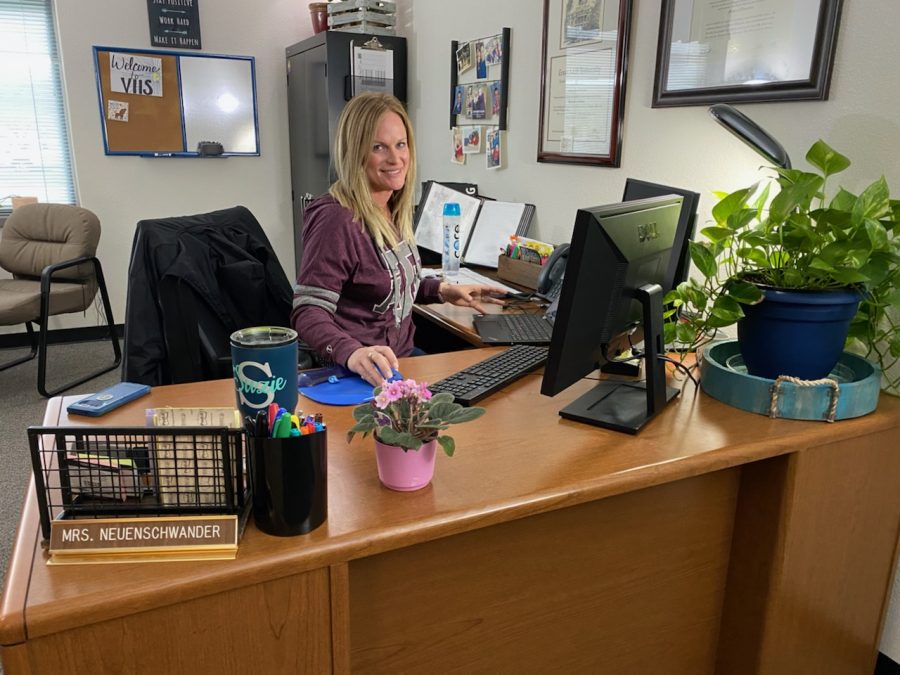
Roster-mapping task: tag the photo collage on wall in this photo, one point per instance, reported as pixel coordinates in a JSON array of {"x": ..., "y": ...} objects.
[{"x": 476, "y": 101}]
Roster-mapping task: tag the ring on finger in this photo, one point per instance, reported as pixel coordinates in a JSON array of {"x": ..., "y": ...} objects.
[{"x": 371, "y": 355}]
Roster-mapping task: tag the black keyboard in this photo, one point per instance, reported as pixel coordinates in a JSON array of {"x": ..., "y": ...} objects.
[
  {"x": 494, "y": 373},
  {"x": 527, "y": 327}
]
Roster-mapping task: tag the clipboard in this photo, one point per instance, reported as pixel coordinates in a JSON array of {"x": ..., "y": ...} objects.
[
  {"x": 371, "y": 67},
  {"x": 485, "y": 224}
]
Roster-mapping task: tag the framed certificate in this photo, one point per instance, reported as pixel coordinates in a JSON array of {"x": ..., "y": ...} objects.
[
  {"x": 713, "y": 51},
  {"x": 585, "y": 48}
]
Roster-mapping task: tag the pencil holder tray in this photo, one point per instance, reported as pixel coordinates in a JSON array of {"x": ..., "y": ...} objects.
[
  {"x": 290, "y": 483},
  {"x": 106, "y": 472},
  {"x": 519, "y": 272}
]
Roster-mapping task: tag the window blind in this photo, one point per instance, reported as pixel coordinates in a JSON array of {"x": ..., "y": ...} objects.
[{"x": 34, "y": 146}]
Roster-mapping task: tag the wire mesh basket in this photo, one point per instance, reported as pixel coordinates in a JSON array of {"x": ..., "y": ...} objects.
[{"x": 94, "y": 472}]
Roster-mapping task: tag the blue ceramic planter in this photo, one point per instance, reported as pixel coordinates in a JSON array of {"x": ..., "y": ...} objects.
[{"x": 796, "y": 333}]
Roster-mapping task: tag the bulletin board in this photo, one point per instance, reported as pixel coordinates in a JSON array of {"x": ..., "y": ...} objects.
[{"x": 164, "y": 103}]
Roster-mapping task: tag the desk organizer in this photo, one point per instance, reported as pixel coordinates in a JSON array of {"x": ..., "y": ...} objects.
[
  {"x": 96, "y": 472},
  {"x": 519, "y": 272},
  {"x": 853, "y": 392}
]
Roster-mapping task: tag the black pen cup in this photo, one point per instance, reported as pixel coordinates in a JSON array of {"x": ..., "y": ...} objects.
[{"x": 290, "y": 483}]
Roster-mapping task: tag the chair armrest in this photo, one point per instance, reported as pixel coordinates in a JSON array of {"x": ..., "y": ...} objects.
[{"x": 47, "y": 272}]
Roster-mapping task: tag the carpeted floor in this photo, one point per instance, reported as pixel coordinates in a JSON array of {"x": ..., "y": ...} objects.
[{"x": 22, "y": 406}]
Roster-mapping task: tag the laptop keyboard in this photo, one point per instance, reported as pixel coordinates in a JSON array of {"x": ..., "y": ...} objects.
[
  {"x": 482, "y": 379},
  {"x": 527, "y": 327}
]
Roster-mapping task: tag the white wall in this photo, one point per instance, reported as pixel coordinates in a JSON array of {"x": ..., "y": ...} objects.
[
  {"x": 124, "y": 190},
  {"x": 676, "y": 146},
  {"x": 679, "y": 146}
]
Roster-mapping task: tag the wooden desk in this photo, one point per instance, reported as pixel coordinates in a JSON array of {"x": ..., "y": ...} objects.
[{"x": 714, "y": 541}]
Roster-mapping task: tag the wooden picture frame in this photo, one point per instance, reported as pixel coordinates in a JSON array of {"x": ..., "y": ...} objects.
[
  {"x": 583, "y": 69},
  {"x": 737, "y": 53}
]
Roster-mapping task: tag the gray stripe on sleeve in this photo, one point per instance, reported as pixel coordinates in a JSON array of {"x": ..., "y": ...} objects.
[{"x": 318, "y": 297}]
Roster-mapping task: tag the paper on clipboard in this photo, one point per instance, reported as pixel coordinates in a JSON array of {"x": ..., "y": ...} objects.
[
  {"x": 497, "y": 221},
  {"x": 372, "y": 68},
  {"x": 430, "y": 226}
]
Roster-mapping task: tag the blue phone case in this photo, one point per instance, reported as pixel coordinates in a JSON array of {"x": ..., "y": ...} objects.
[{"x": 108, "y": 399}]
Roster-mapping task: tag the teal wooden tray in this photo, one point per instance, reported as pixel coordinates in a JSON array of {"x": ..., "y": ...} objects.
[{"x": 853, "y": 391}]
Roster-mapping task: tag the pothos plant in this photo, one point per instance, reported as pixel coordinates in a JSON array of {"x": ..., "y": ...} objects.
[
  {"x": 800, "y": 239},
  {"x": 406, "y": 414}
]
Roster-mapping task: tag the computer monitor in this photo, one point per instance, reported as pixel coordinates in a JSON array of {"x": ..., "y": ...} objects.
[
  {"x": 618, "y": 265},
  {"x": 679, "y": 266}
]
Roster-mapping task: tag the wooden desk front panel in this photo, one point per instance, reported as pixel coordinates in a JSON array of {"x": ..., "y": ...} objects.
[
  {"x": 281, "y": 626},
  {"x": 633, "y": 583}
]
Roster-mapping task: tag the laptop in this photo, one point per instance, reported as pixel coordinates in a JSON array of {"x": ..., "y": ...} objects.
[{"x": 516, "y": 329}]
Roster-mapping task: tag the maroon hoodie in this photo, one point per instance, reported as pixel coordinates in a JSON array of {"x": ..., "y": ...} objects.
[{"x": 350, "y": 294}]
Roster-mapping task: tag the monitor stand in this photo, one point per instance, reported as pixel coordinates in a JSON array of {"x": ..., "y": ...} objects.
[{"x": 628, "y": 406}]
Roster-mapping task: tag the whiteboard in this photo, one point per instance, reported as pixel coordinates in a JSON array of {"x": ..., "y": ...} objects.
[{"x": 216, "y": 105}]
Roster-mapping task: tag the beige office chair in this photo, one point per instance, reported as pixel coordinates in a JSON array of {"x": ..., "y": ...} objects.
[{"x": 50, "y": 251}]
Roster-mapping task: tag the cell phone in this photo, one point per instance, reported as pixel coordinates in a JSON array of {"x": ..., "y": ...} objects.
[{"x": 108, "y": 399}]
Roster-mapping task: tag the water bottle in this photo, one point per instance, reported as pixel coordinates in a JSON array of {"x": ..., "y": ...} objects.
[{"x": 450, "y": 257}]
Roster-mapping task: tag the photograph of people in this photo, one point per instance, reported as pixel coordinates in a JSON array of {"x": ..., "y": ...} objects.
[
  {"x": 456, "y": 140},
  {"x": 458, "y": 100},
  {"x": 463, "y": 58},
  {"x": 492, "y": 139},
  {"x": 495, "y": 98},
  {"x": 471, "y": 140},
  {"x": 478, "y": 111},
  {"x": 480, "y": 64},
  {"x": 360, "y": 271}
]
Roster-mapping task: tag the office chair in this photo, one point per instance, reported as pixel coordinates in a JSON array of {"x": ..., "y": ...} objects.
[
  {"x": 192, "y": 282},
  {"x": 50, "y": 251}
]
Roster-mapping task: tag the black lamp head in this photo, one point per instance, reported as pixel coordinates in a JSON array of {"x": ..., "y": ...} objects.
[{"x": 751, "y": 133}]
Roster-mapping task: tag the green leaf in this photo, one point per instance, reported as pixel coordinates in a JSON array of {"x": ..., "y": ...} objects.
[
  {"x": 465, "y": 415},
  {"x": 443, "y": 397},
  {"x": 843, "y": 201},
  {"x": 360, "y": 412},
  {"x": 793, "y": 196},
  {"x": 448, "y": 444},
  {"x": 826, "y": 159},
  {"x": 364, "y": 425},
  {"x": 703, "y": 258},
  {"x": 874, "y": 202},
  {"x": 744, "y": 292},
  {"x": 402, "y": 439},
  {"x": 716, "y": 233},
  {"x": 727, "y": 309},
  {"x": 443, "y": 409},
  {"x": 685, "y": 333},
  {"x": 876, "y": 233},
  {"x": 731, "y": 203}
]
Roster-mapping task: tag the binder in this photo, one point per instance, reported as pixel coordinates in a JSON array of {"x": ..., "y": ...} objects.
[{"x": 485, "y": 224}]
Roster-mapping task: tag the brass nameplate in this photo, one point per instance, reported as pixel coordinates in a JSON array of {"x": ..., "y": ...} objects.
[{"x": 145, "y": 538}]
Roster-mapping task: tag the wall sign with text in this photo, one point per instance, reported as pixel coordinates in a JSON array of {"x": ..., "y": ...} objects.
[{"x": 174, "y": 23}]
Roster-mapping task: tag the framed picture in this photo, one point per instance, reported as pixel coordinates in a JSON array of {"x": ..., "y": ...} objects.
[
  {"x": 713, "y": 51},
  {"x": 585, "y": 48}
]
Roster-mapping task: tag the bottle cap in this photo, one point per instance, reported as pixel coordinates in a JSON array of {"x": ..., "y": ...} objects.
[{"x": 451, "y": 209}]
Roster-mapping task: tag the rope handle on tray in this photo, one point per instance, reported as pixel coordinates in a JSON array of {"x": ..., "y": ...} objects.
[{"x": 776, "y": 389}]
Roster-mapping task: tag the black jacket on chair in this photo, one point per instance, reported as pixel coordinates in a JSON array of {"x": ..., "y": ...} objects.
[{"x": 192, "y": 281}]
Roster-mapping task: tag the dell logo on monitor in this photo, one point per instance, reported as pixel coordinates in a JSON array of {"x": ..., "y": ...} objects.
[{"x": 647, "y": 231}]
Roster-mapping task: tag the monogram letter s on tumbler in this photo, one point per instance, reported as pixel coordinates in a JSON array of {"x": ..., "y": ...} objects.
[{"x": 264, "y": 361}]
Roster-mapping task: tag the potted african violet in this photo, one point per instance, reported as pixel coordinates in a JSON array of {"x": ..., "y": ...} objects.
[{"x": 407, "y": 421}]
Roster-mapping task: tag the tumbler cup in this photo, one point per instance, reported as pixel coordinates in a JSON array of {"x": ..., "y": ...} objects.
[{"x": 264, "y": 362}]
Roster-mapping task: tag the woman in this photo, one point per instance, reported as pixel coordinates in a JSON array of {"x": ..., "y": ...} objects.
[{"x": 360, "y": 272}]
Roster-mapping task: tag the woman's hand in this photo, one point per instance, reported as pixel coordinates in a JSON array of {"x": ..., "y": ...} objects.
[
  {"x": 470, "y": 295},
  {"x": 373, "y": 364}
]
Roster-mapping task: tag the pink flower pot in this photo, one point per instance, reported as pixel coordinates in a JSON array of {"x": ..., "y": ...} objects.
[{"x": 405, "y": 471}]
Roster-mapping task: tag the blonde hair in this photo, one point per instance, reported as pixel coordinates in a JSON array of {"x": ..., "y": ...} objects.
[{"x": 353, "y": 142}]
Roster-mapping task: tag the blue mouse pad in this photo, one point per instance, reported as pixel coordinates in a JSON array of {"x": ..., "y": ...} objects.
[{"x": 347, "y": 390}]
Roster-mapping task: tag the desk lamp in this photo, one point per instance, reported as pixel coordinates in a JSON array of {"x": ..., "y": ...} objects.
[{"x": 751, "y": 133}]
